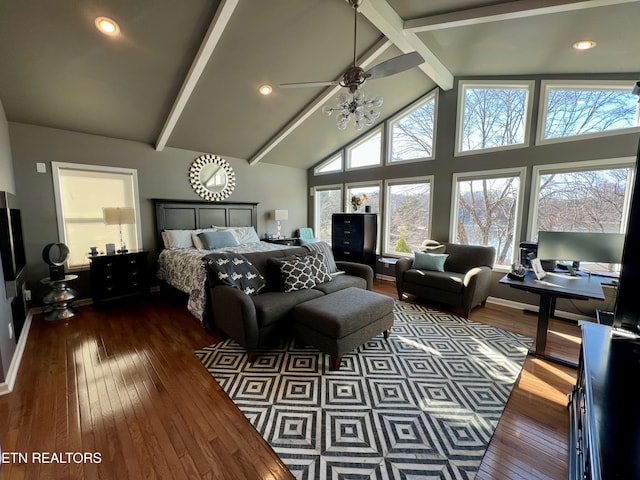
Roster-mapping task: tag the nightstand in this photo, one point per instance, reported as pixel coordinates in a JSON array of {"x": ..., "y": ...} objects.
[
  {"x": 117, "y": 276},
  {"x": 283, "y": 241}
]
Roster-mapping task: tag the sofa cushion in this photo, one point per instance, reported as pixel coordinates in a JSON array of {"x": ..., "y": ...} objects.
[
  {"x": 340, "y": 282},
  {"x": 297, "y": 274},
  {"x": 430, "y": 261},
  {"x": 448, "y": 281},
  {"x": 271, "y": 307}
]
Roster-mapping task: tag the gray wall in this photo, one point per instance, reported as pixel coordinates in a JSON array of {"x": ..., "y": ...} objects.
[
  {"x": 7, "y": 345},
  {"x": 446, "y": 164},
  {"x": 160, "y": 175}
]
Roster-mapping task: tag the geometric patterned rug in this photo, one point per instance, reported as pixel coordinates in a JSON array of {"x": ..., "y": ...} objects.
[{"x": 422, "y": 404}]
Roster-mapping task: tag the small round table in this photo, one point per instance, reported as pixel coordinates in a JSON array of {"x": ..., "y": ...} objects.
[{"x": 58, "y": 299}]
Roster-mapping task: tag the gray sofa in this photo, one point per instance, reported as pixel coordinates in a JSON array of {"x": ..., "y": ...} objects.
[
  {"x": 464, "y": 284},
  {"x": 264, "y": 318}
]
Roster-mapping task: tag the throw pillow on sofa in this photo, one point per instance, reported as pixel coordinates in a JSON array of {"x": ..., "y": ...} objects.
[
  {"x": 297, "y": 274},
  {"x": 235, "y": 270},
  {"x": 430, "y": 261}
]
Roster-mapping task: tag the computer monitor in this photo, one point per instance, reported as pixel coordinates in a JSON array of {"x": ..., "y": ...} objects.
[{"x": 581, "y": 246}]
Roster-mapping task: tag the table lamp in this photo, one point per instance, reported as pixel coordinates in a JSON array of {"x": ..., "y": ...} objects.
[
  {"x": 119, "y": 216},
  {"x": 280, "y": 215}
]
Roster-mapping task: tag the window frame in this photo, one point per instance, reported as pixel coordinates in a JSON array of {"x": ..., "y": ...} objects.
[
  {"x": 56, "y": 167},
  {"x": 387, "y": 204},
  {"x": 577, "y": 85},
  {"x": 529, "y": 85},
  {"x": 520, "y": 172},
  {"x": 433, "y": 94},
  {"x": 347, "y": 203},
  {"x": 332, "y": 158},
  {"x": 353, "y": 145},
  {"x": 316, "y": 217},
  {"x": 568, "y": 167}
]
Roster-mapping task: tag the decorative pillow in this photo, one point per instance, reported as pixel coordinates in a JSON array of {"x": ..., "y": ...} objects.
[
  {"x": 430, "y": 261},
  {"x": 243, "y": 234},
  {"x": 197, "y": 243},
  {"x": 325, "y": 250},
  {"x": 297, "y": 275},
  {"x": 177, "y": 239},
  {"x": 213, "y": 240},
  {"x": 235, "y": 270},
  {"x": 318, "y": 267}
]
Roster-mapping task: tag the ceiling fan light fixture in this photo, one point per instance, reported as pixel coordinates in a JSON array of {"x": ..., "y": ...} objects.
[{"x": 363, "y": 109}]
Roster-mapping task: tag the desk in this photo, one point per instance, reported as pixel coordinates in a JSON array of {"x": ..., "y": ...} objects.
[{"x": 551, "y": 287}]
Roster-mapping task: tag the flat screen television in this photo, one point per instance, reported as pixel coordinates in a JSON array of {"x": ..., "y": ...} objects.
[
  {"x": 627, "y": 311},
  {"x": 12, "y": 252}
]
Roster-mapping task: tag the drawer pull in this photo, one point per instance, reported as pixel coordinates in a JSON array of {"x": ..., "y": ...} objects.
[
  {"x": 347, "y": 232},
  {"x": 133, "y": 262},
  {"x": 109, "y": 264},
  {"x": 108, "y": 276}
]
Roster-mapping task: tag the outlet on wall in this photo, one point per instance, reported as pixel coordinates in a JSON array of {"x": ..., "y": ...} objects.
[
  {"x": 27, "y": 295},
  {"x": 10, "y": 330}
]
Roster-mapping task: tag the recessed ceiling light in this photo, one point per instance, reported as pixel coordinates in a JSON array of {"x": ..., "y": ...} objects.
[
  {"x": 107, "y": 26},
  {"x": 265, "y": 89},
  {"x": 584, "y": 45}
]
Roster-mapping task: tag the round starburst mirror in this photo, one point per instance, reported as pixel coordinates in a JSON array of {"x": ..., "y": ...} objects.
[{"x": 212, "y": 177}]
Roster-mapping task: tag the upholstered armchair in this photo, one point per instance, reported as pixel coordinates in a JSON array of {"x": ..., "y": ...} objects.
[{"x": 461, "y": 278}]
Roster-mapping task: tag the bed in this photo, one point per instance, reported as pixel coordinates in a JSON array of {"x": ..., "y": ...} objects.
[{"x": 180, "y": 265}]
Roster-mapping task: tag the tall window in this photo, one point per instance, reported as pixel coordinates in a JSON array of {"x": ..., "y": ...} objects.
[
  {"x": 328, "y": 200},
  {"x": 582, "y": 197},
  {"x": 408, "y": 214},
  {"x": 412, "y": 132},
  {"x": 81, "y": 192},
  {"x": 368, "y": 193},
  {"x": 332, "y": 165},
  {"x": 580, "y": 109},
  {"x": 486, "y": 211},
  {"x": 366, "y": 152},
  {"x": 493, "y": 116}
]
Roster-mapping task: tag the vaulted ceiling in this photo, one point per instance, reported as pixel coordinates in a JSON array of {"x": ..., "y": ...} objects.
[{"x": 185, "y": 73}]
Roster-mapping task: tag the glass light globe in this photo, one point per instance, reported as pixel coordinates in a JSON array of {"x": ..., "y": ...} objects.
[
  {"x": 377, "y": 101},
  {"x": 343, "y": 98},
  {"x": 327, "y": 110}
]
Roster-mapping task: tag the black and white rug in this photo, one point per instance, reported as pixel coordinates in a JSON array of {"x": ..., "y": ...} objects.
[{"x": 422, "y": 404}]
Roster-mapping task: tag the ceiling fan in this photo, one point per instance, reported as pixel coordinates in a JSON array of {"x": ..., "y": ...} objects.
[{"x": 355, "y": 76}]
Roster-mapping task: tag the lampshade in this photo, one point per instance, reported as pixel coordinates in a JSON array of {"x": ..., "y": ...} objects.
[
  {"x": 118, "y": 215},
  {"x": 281, "y": 214}
]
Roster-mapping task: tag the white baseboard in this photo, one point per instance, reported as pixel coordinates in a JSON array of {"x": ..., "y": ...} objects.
[{"x": 12, "y": 374}]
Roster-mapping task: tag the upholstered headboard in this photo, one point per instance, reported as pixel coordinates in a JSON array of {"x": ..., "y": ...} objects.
[{"x": 192, "y": 214}]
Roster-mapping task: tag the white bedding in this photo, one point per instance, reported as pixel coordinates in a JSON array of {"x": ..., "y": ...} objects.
[{"x": 183, "y": 269}]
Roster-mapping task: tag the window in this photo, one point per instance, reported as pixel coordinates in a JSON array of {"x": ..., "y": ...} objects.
[
  {"x": 486, "y": 210},
  {"x": 328, "y": 200},
  {"x": 408, "y": 214},
  {"x": 585, "y": 109},
  {"x": 368, "y": 193},
  {"x": 366, "y": 152},
  {"x": 583, "y": 197},
  {"x": 413, "y": 132},
  {"x": 81, "y": 191},
  {"x": 493, "y": 116},
  {"x": 334, "y": 164}
]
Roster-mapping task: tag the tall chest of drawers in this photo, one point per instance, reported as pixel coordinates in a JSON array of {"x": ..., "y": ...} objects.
[
  {"x": 354, "y": 237},
  {"x": 120, "y": 275}
]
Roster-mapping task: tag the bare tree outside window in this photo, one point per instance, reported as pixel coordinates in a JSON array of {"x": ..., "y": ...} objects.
[
  {"x": 582, "y": 201},
  {"x": 412, "y": 134},
  {"x": 582, "y": 111},
  {"x": 493, "y": 117},
  {"x": 328, "y": 202},
  {"x": 408, "y": 216},
  {"x": 486, "y": 214}
]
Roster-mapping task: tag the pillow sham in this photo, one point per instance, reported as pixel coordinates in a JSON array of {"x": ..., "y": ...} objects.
[
  {"x": 236, "y": 271},
  {"x": 242, "y": 234},
  {"x": 430, "y": 261},
  {"x": 177, "y": 239},
  {"x": 213, "y": 240},
  {"x": 297, "y": 275}
]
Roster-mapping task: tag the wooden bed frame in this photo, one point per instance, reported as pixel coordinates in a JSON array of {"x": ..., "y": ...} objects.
[{"x": 193, "y": 214}]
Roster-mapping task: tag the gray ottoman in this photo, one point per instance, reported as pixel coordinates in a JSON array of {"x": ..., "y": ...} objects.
[{"x": 339, "y": 322}]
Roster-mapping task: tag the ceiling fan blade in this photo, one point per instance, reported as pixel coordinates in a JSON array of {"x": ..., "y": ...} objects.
[
  {"x": 395, "y": 65},
  {"x": 308, "y": 84}
]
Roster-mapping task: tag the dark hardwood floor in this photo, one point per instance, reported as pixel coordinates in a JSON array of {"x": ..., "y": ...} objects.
[{"x": 124, "y": 382}]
